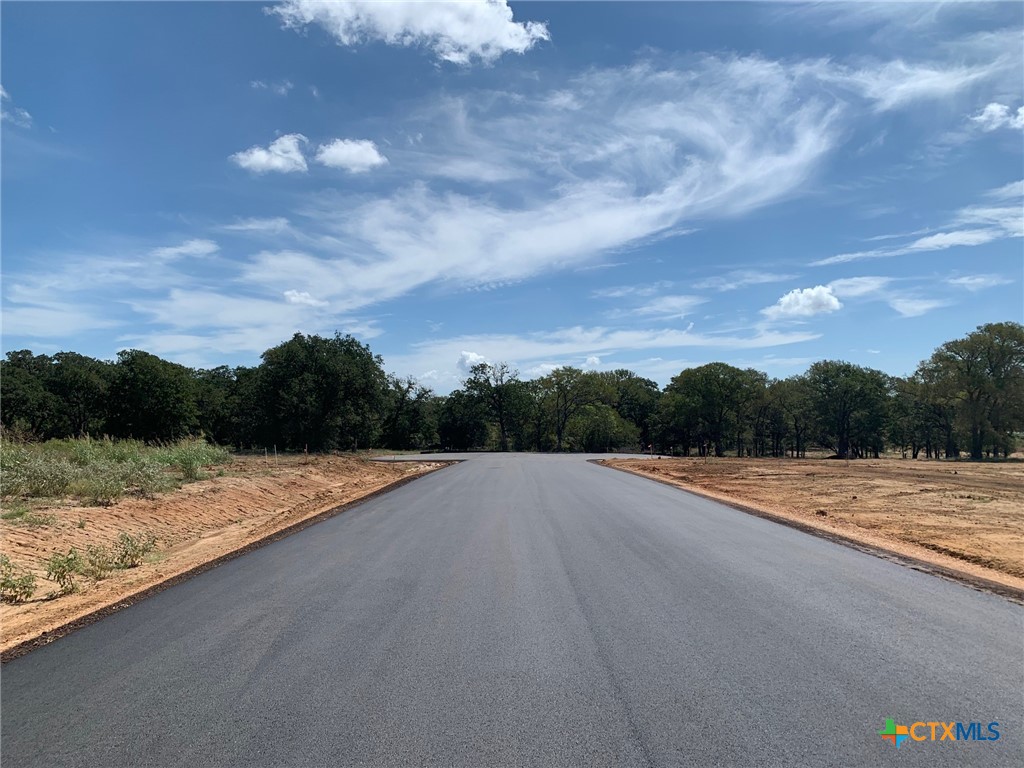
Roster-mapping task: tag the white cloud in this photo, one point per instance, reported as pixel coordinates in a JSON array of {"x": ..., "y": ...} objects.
[
  {"x": 467, "y": 360},
  {"x": 855, "y": 287},
  {"x": 352, "y": 155},
  {"x": 592, "y": 362},
  {"x": 14, "y": 115},
  {"x": 668, "y": 307},
  {"x": 284, "y": 155},
  {"x": 741, "y": 278},
  {"x": 279, "y": 88},
  {"x": 188, "y": 248},
  {"x": 623, "y": 291},
  {"x": 802, "y": 303},
  {"x": 457, "y": 32},
  {"x": 908, "y": 307},
  {"x": 272, "y": 225},
  {"x": 995, "y": 116},
  {"x": 536, "y": 354},
  {"x": 972, "y": 225},
  {"x": 303, "y": 297},
  {"x": 978, "y": 282}
]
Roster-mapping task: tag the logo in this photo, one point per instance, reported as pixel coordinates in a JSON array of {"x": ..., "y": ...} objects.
[
  {"x": 897, "y": 734},
  {"x": 938, "y": 731}
]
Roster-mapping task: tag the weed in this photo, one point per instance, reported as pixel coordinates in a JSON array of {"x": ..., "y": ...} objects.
[
  {"x": 16, "y": 585},
  {"x": 129, "y": 551},
  {"x": 62, "y": 569},
  {"x": 99, "y": 562},
  {"x": 81, "y": 522}
]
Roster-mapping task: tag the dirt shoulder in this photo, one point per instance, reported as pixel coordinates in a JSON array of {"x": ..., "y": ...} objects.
[
  {"x": 966, "y": 520},
  {"x": 202, "y": 523}
]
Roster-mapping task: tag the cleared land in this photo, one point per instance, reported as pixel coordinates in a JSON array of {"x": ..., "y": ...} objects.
[
  {"x": 203, "y": 521},
  {"x": 962, "y": 516}
]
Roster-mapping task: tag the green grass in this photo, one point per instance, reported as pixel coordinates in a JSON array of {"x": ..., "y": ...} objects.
[{"x": 102, "y": 471}]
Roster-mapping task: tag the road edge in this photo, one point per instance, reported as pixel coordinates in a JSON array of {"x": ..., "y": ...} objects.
[
  {"x": 978, "y": 583},
  {"x": 49, "y": 636}
]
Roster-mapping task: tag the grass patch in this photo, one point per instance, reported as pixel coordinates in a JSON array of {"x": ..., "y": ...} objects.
[
  {"x": 23, "y": 515},
  {"x": 102, "y": 471}
]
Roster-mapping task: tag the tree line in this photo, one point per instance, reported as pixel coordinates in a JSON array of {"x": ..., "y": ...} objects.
[{"x": 320, "y": 394}]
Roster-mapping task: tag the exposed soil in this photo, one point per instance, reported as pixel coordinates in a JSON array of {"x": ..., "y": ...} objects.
[
  {"x": 197, "y": 524},
  {"x": 959, "y": 516}
]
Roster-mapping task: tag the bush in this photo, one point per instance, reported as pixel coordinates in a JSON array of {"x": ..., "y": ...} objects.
[
  {"x": 190, "y": 455},
  {"x": 16, "y": 585},
  {"x": 103, "y": 485},
  {"x": 62, "y": 569},
  {"x": 99, "y": 562},
  {"x": 129, "y": 551}
]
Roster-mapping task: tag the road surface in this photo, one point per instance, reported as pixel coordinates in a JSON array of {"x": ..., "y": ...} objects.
[{"x": 530, "y": 610}]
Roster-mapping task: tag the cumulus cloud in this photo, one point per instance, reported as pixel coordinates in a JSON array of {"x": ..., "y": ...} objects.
[
  {"x": 802, "y": 303},
  {"x": 995, "y": 116},
  {"x": 188, "y": 248},
  {"x": 284, "y": 155},
  {"x": 352, "y": 155},
  {"x": 467, "y": 360},
  {"x": 592, "y": 362},
  {"x": 12, "y": 114},
  {"x": 457, "y": 32}
]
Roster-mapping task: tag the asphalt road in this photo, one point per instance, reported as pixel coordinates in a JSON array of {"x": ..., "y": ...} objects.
[{"x": 530, "y": 610}]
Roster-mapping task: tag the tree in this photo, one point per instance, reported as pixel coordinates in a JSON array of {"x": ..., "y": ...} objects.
[
  {"x": 495, "y": 388},
  {"x": 566, "y": 390},
  {"x": 28, "y": 404},
  {"x": 152, "y": 399},
  {"x": 409, "y": 417},
  {"x": 323, "y": 394},
  {"x": 712, "y": 402},
  {"x": 636, "y": 400},
  {"x": 462, "y": 422},
  {"x": 849, "y": 403},
  {"x": 981, "y": 377}
]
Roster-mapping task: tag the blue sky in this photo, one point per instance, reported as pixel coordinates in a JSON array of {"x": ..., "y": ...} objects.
[{"x": 606, "y": 185}]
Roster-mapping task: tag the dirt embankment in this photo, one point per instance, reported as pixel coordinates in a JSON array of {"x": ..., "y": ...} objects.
[
  {"x": 199, "y": 523},
  {"x": 960, "y": 516}
]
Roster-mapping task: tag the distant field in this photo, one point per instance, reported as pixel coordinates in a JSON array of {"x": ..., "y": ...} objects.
[{"x": 960, "y": 514}]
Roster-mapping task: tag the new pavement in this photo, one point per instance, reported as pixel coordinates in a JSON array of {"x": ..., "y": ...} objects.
[{"x": 530, "y": 610}]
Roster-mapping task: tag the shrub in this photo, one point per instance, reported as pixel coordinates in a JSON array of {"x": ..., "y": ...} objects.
[
  {"x": 190, "y": 455},
  {"x": 99, "y": 562},
  {"x": 129, "y": 551},
  {"x": 62, "y": 569},
  {"x": 103, "y": 485},
  {"x": 16, "y": 585}
]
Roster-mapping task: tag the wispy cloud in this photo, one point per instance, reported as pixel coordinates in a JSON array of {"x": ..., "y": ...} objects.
[
  {"x": 971, "y": 226},
  {"x": 12, "y": 114},
  {"x": 909, "y": 307},
  {"x": 741, "y": 278},
  {"x": 978, "y": 282},
  {"x": 195, "y": 247},
  {"x": 278, "y": 88},
  {"x": 460, "y": 33}
]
